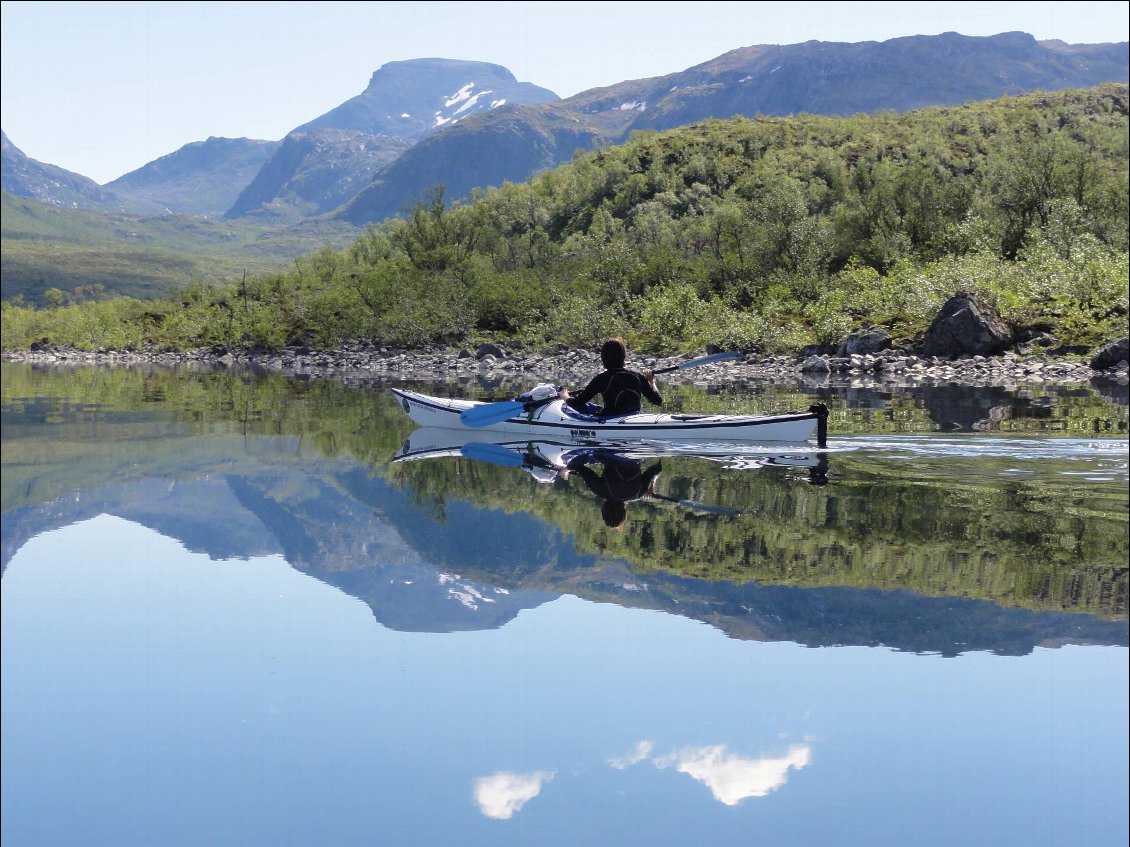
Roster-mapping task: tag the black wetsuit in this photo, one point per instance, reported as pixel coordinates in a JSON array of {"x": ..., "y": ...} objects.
[
  {"x": 621, "y": 480},
  {"x": 621, "y": 390}
]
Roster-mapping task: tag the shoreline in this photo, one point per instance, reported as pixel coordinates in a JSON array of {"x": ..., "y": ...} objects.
[{"x": 494, "y": 364}]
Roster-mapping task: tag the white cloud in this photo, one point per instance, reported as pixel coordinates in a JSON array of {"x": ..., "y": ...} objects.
[
  {"x": 501, "y": 795},
  {"x": 730, "y": 777},
  {"x": 636, "y": 755}
]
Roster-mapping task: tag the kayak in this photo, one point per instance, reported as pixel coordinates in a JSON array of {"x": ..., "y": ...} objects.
[
  {"x": 509, "y": 449},
  {"x": 556, "y": 420}
]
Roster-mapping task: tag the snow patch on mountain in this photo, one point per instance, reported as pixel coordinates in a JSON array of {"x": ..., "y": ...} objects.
[
  {"x": 462, "y": 103},
  {"x": 460, "y": 95},
  {"x": 471, "y": 101}
]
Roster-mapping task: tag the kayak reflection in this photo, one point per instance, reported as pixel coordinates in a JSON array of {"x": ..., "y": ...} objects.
[{"x": 617, "y": 474}]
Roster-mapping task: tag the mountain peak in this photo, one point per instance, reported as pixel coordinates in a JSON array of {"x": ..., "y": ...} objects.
[
  {"x": 410, "y": 98},
  {"x": 470, "y": 68}
]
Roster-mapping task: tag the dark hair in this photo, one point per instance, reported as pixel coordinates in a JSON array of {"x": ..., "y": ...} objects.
[
  {"x": 614, "y": 512},
  {"x": 614, "y": 353}
]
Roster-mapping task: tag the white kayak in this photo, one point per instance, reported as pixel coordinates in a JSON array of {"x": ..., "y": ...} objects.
[
  {"x": 558, "y": 421},
  {"x": 509, "y": 449}
]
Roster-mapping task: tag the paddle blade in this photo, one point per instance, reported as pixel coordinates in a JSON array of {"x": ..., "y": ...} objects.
[
  {"x": 494, "y": 454},
  {"x": 490, "y": 413},
  {"x": 704, "y": 360},
  {"x": 709, "y": 360}
]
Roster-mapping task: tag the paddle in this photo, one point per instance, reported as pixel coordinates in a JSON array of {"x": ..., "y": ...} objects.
[
  {"x": 698, "y": 507},
  {"x": 494, "y": 454},
  {"x": 493, "y": 413}
]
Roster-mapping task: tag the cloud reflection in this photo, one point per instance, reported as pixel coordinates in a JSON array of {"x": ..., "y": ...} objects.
[
  {"x": 731, "y": 777},
  {"x": 636, "y": 755},
  {"x": 501, "y": 795}
]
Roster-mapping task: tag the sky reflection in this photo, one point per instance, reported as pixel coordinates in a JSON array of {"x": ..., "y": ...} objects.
[
  {"x": 730, "y": 777},
  {"x": 141, "y": 680},
  {"x": 502, "y": 795}
]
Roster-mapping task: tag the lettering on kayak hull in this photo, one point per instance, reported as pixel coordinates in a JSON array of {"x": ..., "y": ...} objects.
[{"x": 582, "y": 433}]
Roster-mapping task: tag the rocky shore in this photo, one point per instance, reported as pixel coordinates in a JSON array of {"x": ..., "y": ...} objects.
[
  {"x": 966, "y": 344},
  {"x": 493, "y": 364}
]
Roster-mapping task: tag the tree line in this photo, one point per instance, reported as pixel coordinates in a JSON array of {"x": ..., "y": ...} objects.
[{"x": 765, "y": 234}]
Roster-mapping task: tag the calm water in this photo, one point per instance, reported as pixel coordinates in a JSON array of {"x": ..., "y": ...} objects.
[{"x": 241, "y": 610}]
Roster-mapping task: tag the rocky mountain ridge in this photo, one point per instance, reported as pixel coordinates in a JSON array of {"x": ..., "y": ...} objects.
[{"x": 472, "y": 124}]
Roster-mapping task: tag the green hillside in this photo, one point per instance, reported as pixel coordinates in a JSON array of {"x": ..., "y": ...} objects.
[
  {"x": 759, "y": 234},
  {"x": 86, "y": 254}
]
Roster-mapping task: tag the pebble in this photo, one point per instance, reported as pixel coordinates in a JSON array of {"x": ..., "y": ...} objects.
[{"x": 366, "y": 362}]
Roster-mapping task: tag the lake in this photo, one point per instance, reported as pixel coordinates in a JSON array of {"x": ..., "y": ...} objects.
[{"x": 239, "y": 609}]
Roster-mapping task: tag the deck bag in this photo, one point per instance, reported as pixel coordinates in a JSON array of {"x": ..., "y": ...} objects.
[{"x": 540, "y": 393}]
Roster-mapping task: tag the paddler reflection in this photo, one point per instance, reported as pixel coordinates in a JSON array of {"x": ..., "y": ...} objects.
[
  {"x": 614, "y": 477},
  {"x": 620, "y": 481}
]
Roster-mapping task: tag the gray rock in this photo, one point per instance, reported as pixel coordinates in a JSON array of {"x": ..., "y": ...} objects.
[
  {"x": 965, "y": 328},
  {"x": 1111, "y": 354},
  {"x": 864, "y": 341},
  {"x": 484, "y": 350}
]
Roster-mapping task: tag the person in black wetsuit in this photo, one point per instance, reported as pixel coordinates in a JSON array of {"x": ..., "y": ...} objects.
[
  {"x": 621, "y": 481},
  {"x": 619, "y": 387}
]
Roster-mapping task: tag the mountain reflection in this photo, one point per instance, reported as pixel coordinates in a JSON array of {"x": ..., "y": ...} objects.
[{"x": 928, "y": 553}]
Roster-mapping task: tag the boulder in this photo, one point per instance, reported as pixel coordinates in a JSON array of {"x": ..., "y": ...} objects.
[
  {"x": 965, "y": 328},
  {"x": 862, "y": 342},
  {"x": 484, "y": 350},
  {"x": 1111, "y": 355}
]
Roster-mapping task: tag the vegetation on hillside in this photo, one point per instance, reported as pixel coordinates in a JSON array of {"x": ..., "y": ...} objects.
[
  {"x": 764, "y": 234},
  {"x": 79, "y": 255}
]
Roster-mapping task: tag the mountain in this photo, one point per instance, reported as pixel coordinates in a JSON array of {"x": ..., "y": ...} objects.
[
  {"x": 26, "y": 177},
  {"x": 201, "y": 178},
  {"x": 471, "y": 125},
  {"x": 331, "y": 159},
  {"x": 900, "y": 75},
  {"x": 508, "y": 144},
  {"x": 313, "y": 172},
  {"x": 814, "y": 77},
  {"x": 411, "y": 98}
]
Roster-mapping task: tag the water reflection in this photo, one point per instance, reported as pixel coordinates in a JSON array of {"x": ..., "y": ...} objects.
[
  {"x": 616, "y": 473},
  {"x": 290, "y": 687},
  {"x": 502, "y": 795},
  {"x": 619, "y": 481},
  {"x": 730, "y": 776},
  {"x": 925, "y": 543}
]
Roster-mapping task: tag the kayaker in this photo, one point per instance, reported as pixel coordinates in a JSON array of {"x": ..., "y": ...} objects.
[
  {"x": 621, "y": 480},
  {"x": 619, "y": 387}
]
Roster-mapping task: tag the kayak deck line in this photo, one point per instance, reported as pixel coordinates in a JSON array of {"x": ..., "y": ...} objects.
[{"x": 561, "y": 420}]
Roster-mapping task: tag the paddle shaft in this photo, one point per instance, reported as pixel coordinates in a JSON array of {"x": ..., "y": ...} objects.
[
  {"x": 493, "y": 413},
  {"x": 694, "y": 363}
]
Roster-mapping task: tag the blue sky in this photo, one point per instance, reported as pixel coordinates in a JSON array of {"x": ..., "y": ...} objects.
[{"x": 104, "y": 88}]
